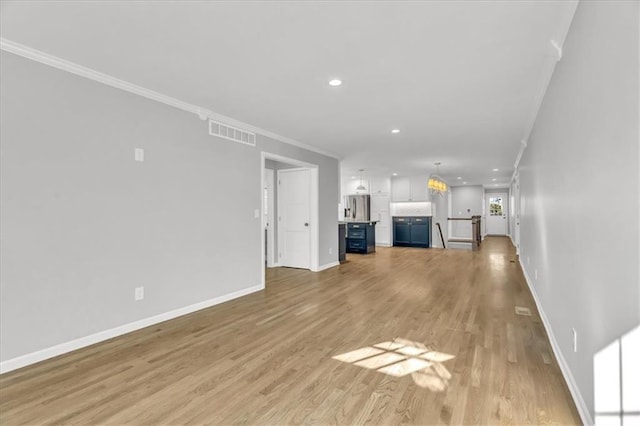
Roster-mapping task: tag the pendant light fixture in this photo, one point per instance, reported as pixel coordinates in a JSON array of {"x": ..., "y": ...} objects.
[
  {"x": 361, "y": 187},
  {"x": 436, "y": 184}
]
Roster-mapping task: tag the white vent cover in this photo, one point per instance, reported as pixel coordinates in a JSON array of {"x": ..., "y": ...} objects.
[
  {"x": 231, "y": 133},
  {"x": 520, "y": 310}
]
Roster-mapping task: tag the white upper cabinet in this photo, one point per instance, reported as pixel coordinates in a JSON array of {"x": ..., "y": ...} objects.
[
  {"x": 380, "y": 185},
  {"x": 409, "y": 188},
  {"x": 400, "y": 189},
  {"x": 419, "y": 190}
]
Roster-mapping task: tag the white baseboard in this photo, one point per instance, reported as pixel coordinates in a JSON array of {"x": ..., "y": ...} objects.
[
  {"x": 62, "y": 348},
  {"x": 383, "y": 245},
  {"x": 583, "y": 410},
  {"x": 459, "y": 246},
  {"x": 327, "y": 266}
]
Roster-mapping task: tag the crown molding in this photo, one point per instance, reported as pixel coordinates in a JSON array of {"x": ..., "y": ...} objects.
[
  {"x": 91, "y": 74},
  {"x": 556, "y": 52},
  {"x": 523, "y": 146}
]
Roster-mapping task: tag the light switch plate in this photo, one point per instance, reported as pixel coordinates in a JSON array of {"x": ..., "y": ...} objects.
[
  {"x": 256, "y": 213},
  {"x": 139, "y": 154}
]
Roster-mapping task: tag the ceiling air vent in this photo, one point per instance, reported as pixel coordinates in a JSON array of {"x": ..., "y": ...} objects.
[{"x": 231, "y": 133}]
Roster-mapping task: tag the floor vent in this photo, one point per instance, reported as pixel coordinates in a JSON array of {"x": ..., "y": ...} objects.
[
  {"x": 523, "y": 311},
  {"x": 231, "y": 133}
]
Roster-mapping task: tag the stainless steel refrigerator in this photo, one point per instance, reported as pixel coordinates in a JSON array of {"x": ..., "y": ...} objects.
[{"x": 358, "y": 208}]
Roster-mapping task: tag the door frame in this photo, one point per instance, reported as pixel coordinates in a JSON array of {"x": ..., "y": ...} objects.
[
  {"x": 270, "y": 246},
  {"x": 505, "y": 193},
  {"x": 314, "y": 215},
  {"x": 281, "y": 230},
  {"x": 515, "y": 231}
]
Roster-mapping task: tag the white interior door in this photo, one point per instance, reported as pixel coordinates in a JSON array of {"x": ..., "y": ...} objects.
[
  {"x": 269, "y": 207},
  {"x": 294, "y": 196},
  {"x": 496, "y": 205}
]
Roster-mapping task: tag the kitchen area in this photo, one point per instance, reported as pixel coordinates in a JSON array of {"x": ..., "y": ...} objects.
[{"x": 385, "y": 211}]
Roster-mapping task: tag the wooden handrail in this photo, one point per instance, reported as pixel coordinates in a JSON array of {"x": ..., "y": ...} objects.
[
  {"x": 476, "y": 236},
  {"x": 441, "y": 237}
]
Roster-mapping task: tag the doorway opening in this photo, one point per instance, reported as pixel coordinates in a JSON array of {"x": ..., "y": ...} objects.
[
  {"x": 496, "y": 213},
  {"x": 289, "y": 213}
]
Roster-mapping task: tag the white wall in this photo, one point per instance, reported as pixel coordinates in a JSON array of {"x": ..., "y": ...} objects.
[
  {"x": 579, "y": 189},
  {"x": 83, "y": 224},
  {"x": 440, "y": 208},
  {"x": 466, "y": 201}
]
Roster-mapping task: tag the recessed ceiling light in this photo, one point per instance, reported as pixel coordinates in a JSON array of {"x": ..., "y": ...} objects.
[
  {"x": 496, "y": 184},
  {"x": 335, "y": 82},
  {"x": 395, "y": 131},
  {"x": 459, "y": 177},
  {"x": 495, "y": 170},
  {"x": 353, "y": 177},
  {"x": 464, "y": 183},
  {"x": 494, "y": 179},
  {"x": 394, "y": 174}
]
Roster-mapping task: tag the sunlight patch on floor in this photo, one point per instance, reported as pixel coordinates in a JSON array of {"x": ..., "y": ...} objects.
[{"x": 402, "y": 357}]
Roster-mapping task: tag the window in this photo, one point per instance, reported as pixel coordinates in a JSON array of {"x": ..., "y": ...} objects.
[{"x": 495, "y": 206}]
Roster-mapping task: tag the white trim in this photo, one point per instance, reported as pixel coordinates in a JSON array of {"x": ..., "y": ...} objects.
[
  {"x": 314, "y": 214},
  {"x": 585, "y": 415},
  {"x": 327, "y": 266},
  {"x": 315, "y": 219},
  {"x": 506, "y": 212},
  {"x": 384, "y": 245},
  {"x": 62, "y": 348},
  {"x": 270, "y": 243},
  {"x": 546, "y": 74},
  {"x": 557, "y": 50},
  {"x": 490, "y": 186},
  {"x": 263, "y": 267},
  {"x": 288, "y": 160},
  {"x": 523, "y": 146},
  {"x": 91, "y": 74}
]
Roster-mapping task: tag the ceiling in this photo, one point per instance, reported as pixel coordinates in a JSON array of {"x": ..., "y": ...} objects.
[{"x": 459, "y": 79}]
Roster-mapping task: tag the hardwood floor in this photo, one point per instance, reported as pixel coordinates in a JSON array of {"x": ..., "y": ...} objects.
[{"x": 285, "y": 355}]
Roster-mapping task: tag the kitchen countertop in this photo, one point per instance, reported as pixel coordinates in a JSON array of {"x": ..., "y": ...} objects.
[{"x": 344, "y": 222}]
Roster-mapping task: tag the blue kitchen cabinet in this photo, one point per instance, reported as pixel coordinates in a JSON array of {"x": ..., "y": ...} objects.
[
  {"x": 412, "y": 231},
  {"x": 401, "y": 231},
  {"x": 361, "y": 237}
]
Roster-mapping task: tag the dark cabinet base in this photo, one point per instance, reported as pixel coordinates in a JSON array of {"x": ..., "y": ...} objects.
[
  {"x": 361, "y": 237},
  {"x": 342, "y": 242},
  {"x": 412, "y": 231}
]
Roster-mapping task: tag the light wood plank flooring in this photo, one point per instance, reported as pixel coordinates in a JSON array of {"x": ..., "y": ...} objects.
[{"x": 268, "y": 358}]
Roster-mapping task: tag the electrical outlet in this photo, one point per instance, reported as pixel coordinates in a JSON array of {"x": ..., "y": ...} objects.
[
  {"x": 528, "y": 261},
  {"x": 139, "y": 294},
  {"x": 256, "y": 214},
  {"x": 535, "y": 274},
  {"x": 575, "y": 340},
  {"x": 139, "y": 154},
  {"x": 330, "y": 250}
]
